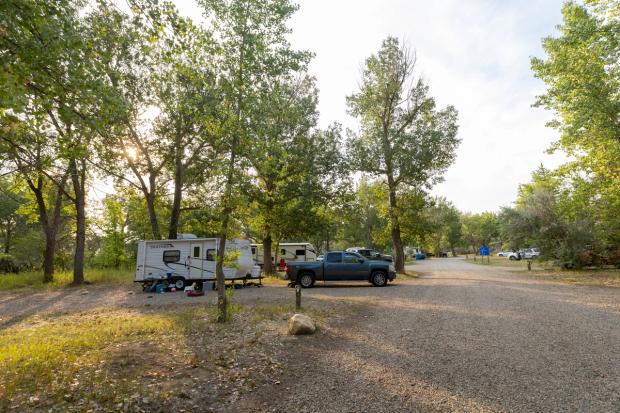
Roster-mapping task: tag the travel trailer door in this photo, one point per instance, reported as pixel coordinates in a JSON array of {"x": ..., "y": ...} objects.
[{"x": 195, "y": 260}]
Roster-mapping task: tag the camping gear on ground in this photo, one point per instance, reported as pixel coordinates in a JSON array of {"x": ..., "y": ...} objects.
[{"x": 195, "y": 293}]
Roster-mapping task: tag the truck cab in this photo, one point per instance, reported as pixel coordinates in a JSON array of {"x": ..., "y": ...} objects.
[{"x": 341, "y": 266}]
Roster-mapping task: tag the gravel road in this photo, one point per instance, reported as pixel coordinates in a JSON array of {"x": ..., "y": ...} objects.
[{"x": 462, "y": 338}]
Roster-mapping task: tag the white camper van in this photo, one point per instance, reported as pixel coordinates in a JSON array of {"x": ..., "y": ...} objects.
[
  {"x": 300, "y": 251},
  {"x": 181, "y": 262}
]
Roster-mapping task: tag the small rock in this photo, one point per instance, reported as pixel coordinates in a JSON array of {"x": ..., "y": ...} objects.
[
  {"x": 84, "y": 292},
  {"x": 301, "y": 324}
]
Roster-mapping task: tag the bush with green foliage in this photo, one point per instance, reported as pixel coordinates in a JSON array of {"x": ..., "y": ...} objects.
[{"x": 8, "y": 263}]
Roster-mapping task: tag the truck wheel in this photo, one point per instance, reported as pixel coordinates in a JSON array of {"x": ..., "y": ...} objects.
[
  {"x": 379, "y": 279},
  {"x": 512, "y": 258},
  {"x": 306, "y": 280}
]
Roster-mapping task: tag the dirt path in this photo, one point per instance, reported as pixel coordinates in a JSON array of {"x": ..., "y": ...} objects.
[{"x": 462, "y": 338}]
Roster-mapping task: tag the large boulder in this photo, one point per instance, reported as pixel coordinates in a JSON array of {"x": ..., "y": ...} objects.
[{"x": 301, "y": 324}]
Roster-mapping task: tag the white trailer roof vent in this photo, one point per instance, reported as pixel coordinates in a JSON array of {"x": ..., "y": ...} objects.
[{"x": 186, "y": 236}]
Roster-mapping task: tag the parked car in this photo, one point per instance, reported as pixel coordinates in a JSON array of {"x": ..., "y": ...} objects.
[
  {"x": 420, "y": 256},
  {"x": 443, "y": 254},
  {"x": 526, "y": 253},
  {"x": 371, "y": 254},
  {"x": 505, "y": 253},
  {"x": 341, "y": 266}
]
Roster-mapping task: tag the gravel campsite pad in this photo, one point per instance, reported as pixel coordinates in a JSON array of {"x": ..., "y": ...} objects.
[{"x": 462, "y": 337}]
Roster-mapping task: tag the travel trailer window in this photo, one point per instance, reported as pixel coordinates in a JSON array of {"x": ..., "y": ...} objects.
[
  {"x": 253, "y": 250},
  {"x": 172, "y": 256},
  {"x": 300, "y": 252},
  {"x": 196, "y": 252},
  {"x": 211, "y": 255}
]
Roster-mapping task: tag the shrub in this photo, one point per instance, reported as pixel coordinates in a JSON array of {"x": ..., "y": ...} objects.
[{"x": 8, "y": 263}]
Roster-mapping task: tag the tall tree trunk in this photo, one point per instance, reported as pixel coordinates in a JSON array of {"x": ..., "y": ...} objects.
[
  {"x": 149, "y": 195},
  {"x": 267, "y": 264},
  {"x": 50, "y": 228},
  {"x": 399, "y": 260},
  {"x": 219, "y": 267},
  {"x": 48, "y": 256},
  {"x": 78, "y": 178},
  {"x": 150, "y": 206},
  {"x": 227, "y": 201},
  {"x": 178, "y": 194},
  {"x": 7, "y": 237},
  {"x": 227, "y": 211}
]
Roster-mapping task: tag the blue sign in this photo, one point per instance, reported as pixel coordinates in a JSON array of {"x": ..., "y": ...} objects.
[{"x": 484, "y": 251}]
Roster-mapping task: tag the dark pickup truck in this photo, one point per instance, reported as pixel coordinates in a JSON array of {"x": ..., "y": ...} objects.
[{"x": 340, "y": 266}]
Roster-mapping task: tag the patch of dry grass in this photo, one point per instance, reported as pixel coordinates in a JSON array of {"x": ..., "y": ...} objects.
[
  {"x": 133, "y": 360},
  {"x": 34, "y": 279},
  {"x": 505, "y": 262},
  {"x": 64, "y": 358},
  {"x": 600, "y": 277}
]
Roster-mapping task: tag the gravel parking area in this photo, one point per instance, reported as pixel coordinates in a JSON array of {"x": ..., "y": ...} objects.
[{"x": 461, "y": 338}]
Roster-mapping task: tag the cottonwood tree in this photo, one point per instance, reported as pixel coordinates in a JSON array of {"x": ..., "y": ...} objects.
[
  {"x": 296, "y": 168},
  {"x": 582, "y": 72},
  {"x": 26, "y": 149},
  {"x": 162, "y": 65},
  {"x": 54, "y": 72},
  {"x": 252, "y": 37},
  {"x": 403, "y": 138}
]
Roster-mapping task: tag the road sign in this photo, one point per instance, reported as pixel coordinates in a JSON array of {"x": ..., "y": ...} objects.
[{"x": 484, "y": 251}]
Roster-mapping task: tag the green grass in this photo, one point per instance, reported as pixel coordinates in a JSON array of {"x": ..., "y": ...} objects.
[
  {"x": 408, "y": 274},
  {"x": 34, "y": 279},
  {"x": 48, "y": 358},
  {"x": 600, "y": 277},
  {"x": 505, "y": 262},
  {"x": 547, "y": 271},
  {"x": 103, "y": 356}
]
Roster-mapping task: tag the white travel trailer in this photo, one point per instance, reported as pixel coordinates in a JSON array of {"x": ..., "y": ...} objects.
[
  {"x": 182, "y": 262},
  {"x": 292, "y": 251}
]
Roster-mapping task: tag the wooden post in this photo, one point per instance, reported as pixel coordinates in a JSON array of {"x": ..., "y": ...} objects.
[
  {"x": 529, "y": 265},
  {"x": 297, "y": 297}
]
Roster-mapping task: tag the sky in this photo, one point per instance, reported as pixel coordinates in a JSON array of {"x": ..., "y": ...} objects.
[{"x": 474, "y": 54}]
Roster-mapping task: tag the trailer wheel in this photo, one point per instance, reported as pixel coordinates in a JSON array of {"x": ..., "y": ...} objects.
[{"x": 179, "y": 284}]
